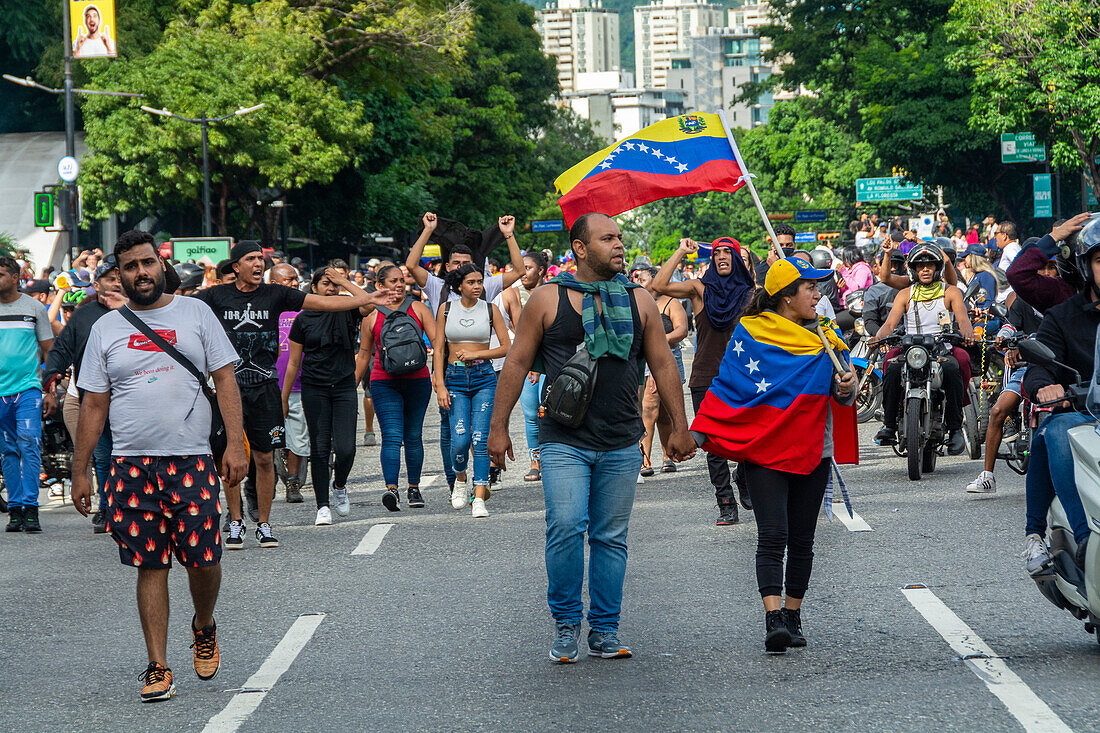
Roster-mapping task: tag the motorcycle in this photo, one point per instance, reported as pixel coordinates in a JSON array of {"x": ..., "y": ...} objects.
[
  {"x": 866, "y": 362},
  {"x": 1066, "y": 586},
  {"x": 921, "y": 430},
  {"x": 1015, "y": 447}
]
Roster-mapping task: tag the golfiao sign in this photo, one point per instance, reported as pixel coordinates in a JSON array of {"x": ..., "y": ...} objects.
[{"x": 207, "y": 250}]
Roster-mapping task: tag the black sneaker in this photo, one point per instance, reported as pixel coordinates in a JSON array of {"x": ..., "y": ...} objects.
[
  {"x": 494, "y": 476},
  {"x": 99, "y": 523},
  {"x": 391, "y": 500},
  {"x": 416, "y": 499},
  {"x": 264, "y": 536},
  {"x": 30, "y": 520},
  {"x": 793, "y": 617},
  {"x": 727, "y": 515},
  {"x": 235, "y": 540},
  {"x": 887, "y": 436},
  {"x": 776, "y": 635},
  {"x": 15, "y": 519},
  {"x": 294, "y": 491},
  {"x": 956, "y": 443}
]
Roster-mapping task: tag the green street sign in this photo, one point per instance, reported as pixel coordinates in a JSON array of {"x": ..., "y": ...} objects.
[
  {"x": 208, "y": 250},
  {"x": 887, "y": 189},
  {"x": 1044, "y": 204},
  {"x": 1020, "y": 147},
  {"x": 43, "y": 209}
]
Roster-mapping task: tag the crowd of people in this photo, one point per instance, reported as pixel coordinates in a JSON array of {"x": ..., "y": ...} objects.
[{"x": 172, "y": 376}]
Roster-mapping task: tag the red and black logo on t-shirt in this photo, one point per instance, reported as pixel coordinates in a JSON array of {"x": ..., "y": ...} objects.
[{"x": 139, "y": 342}]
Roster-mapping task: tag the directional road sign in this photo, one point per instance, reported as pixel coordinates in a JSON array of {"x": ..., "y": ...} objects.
[
  {"x": 550, "y": 225},
  {"x": 1044, "y": 204},
  {"x": 887, "y": 189},
  {"x": 809, "y": 216},
  {"x": 1020, "y": 147}
]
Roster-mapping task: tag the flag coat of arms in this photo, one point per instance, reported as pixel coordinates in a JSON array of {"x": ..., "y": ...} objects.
[
  {"x": 674, "y": 157},
  {"x": 768, "y": 403}
]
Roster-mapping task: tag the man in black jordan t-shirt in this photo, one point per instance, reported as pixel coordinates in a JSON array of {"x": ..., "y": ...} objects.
[{"x": 249, "y": 309}]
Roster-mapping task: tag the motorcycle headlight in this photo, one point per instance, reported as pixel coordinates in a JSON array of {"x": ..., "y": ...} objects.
[
  {"x": 916, "y": 358},
  {"x": 859, "y": 328}
]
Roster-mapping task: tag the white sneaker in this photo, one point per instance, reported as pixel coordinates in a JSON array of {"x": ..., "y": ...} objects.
[
  {"x": 986, "y": 483},
  {"x": 324, "y": 517},
  {"x": 478, "y": 509},
  {"x": 459, "y": 495},
  {"x": 1037, "y": 559},
  {"x": 640, "y": 480},
  {"x": 341, "y": 505}
]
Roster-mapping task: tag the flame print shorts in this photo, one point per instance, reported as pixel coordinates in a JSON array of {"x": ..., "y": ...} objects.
[{"x": 158, "y": 506}]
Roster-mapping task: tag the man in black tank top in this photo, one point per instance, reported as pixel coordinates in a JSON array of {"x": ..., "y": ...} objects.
[
  {"x": 717, "y": 299},
  {"x": 589, "y": 472}
]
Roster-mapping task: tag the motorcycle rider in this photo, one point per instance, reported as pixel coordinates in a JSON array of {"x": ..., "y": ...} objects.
[
  {"x": 927, "y": 307},
  {"x": 1069, "y": 330}
]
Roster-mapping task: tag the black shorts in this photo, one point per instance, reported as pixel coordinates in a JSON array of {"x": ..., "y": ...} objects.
[
  {"x": 262, "y": 406},
  {"x": 164, "y": 505}
]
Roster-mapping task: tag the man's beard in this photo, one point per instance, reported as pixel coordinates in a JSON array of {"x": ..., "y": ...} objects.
[{"x": 139, "y": 299}]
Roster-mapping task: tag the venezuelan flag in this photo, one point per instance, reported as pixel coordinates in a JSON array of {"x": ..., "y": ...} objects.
[
  {"x": 674, "y": 157},
  {"x": 767, "y": 405}
]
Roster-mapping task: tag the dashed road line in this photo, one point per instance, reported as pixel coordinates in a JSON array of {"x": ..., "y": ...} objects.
[
  {"x": 249, "y": 697},
  {"x": 1024, "y": 705},
  {"x": 372, "y": 539},
  {"x": 854, "y": 523}
]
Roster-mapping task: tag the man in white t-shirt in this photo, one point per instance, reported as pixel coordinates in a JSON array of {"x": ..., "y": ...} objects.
[
  {"x": 1009, "y": 244},
  {"x": 163, "y": 484},
  {"x": 434, "y": 288}
]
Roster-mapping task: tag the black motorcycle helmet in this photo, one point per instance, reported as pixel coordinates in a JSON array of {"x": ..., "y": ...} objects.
[
  {"x": 821, "y": 259},
  {"x": 1083, "y": 244},
  {"x": 947, "y": 247},
  {"x": 924, "y": 252},
  {"x": 191, "y": 275}
]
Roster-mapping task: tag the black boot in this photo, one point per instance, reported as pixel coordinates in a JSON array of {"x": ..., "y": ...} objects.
[
  {"x": 742, "y": 487},
  {"x": 956, "y": 444},
  {"x": 99, "y": 522},
  {"x": 30, "y": 520},
  {"x": 777, "y": 638},
  {"x": 887, "y": 436},
  {"x": 15, "y": 519},
  {"x": 727, "y": 515},
  {"x": 793, "y": 617}
]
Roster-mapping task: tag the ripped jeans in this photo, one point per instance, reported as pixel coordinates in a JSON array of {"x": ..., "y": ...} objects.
[{"x": 471, "y": 389}]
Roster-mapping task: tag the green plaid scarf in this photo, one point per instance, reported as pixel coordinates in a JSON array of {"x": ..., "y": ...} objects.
[{"x": 611, "y": 332}]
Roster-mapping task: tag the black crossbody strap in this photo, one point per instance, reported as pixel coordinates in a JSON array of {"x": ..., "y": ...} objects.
[{"x": 167, "y": 348}]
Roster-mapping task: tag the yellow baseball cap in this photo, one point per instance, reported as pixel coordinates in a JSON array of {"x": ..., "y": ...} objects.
[{"x": 786, "y": 271}]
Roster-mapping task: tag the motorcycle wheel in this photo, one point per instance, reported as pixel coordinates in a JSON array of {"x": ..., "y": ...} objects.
[
  {"x": 912, "y": 437},
  {"x": 970, "y": 430},
  {"x": 869, "y": 399}
]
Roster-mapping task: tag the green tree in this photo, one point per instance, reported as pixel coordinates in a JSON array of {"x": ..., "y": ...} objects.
[{"x": 1036, "y": 66}]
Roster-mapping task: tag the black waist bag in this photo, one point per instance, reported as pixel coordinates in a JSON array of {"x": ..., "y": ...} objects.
[{"x": 567, "y": 398}]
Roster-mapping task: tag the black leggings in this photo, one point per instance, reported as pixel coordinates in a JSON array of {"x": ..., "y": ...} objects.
[
  {"x": 331, "y": 413},
  {"x": 786, "y": 507}
]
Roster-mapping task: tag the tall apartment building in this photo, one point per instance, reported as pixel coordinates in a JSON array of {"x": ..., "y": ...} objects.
[
  {"x": 581, "y": 36},
  {"x": 713, "y": 69},
  {"x": 664, "y": 27}
]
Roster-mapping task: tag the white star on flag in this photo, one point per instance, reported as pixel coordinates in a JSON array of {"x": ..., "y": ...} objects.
[
  {"x": 657, "y": 152},
  {"x": 738, "y": 348},
  {"x": 682, "y": 167},
  {"x": 762, "y": 386},
  {"x": 753, "y": 366},
  {"x": 606, "y": 163},
  {"x": 642, "y": 148},
  {"x": 628, "y": 145},
  {"x": 671, "y": 159}
]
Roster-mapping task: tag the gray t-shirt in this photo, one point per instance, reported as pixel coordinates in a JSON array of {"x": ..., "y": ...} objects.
[{"x": 157, "y": 406}]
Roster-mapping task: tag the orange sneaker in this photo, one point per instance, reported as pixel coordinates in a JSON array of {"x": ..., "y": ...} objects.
[
  {"x": 205, "y": 644},
  {"x": 158, "y": 683}
]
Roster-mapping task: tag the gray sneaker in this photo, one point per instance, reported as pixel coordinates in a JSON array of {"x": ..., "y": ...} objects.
[
  {"x": 1036, "y": 556},
  {"x": 606, "y": 644},
  {"x": 565, "y": 649}
]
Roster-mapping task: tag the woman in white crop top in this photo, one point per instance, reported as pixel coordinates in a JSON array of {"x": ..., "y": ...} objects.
[{"x": 464, "y": 379}]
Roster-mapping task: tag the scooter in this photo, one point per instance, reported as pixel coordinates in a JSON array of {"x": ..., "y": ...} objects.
[{"x": 1066, "y": 586}]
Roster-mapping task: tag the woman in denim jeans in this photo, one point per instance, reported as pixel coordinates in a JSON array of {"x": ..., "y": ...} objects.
[{"x": 464, "y": 378}]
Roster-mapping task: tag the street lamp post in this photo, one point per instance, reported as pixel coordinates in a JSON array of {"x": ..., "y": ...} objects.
[
  {"x": 69, "y": 90},
  {"x": 204, "y": 123}
]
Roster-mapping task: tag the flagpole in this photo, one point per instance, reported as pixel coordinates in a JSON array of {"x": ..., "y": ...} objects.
[{"x": 748, "y": 181}]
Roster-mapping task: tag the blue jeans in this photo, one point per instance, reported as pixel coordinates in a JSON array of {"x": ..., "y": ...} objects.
[
  {"x": 471, "y": 389},
  {"x": 21, "y": 443},
  {"x": 589, "y": 491},
  {"x": 445, "y": 445},
  {"x": 101, "y": 458},
  {"x": 400, "y": 405},
  {"x": 529, "y": 400},
  {"x": 1050, "y": 472}
]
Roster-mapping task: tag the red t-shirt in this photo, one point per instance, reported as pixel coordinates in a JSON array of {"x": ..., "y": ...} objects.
[{"x": 377, "y": 372}]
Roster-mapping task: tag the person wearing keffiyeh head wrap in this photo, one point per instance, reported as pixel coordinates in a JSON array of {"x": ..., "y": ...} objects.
[{"x": 717, "y": 300}]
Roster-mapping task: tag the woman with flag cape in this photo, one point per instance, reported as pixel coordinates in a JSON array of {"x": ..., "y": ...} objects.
[{"x": 777, "y": 407}]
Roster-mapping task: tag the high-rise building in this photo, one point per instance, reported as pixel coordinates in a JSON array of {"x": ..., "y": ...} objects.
[
  {"x": 581, "y": 36},
  {"x": 713, "y": 70},
  {"x": 664, "y": 27}
]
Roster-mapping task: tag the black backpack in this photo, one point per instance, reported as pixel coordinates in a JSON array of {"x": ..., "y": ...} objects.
[{"x": 401, "y": 347}]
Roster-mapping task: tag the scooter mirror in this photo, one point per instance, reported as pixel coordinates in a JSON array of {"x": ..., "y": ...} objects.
[
  {"x": 1035, "y": 352},
  {"x": 998, "y": 310},
  {"x": 972, "y": 289}
]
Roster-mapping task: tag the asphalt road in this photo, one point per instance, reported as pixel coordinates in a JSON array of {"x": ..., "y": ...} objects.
[{"x": 445, "y": 625}]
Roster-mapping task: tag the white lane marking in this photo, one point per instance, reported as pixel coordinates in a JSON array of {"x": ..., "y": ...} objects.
[
  {"x": 1024, "y": 705},
  {"x": 854, "y": 523},
  {"x": 245, "y": 702},
  {"x": 372, "y": 539},
  {"x": 427, "y": 481}
]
